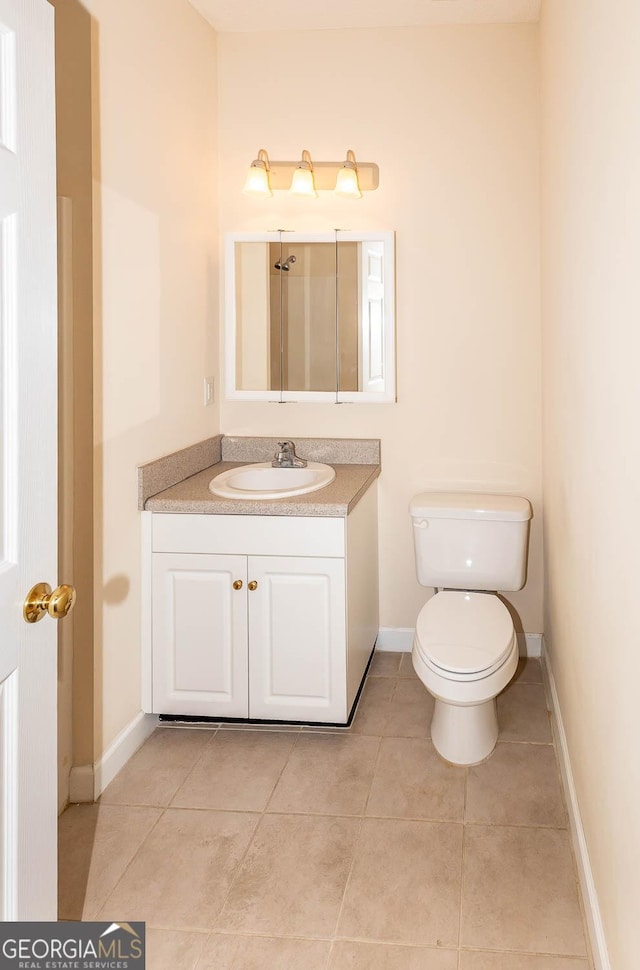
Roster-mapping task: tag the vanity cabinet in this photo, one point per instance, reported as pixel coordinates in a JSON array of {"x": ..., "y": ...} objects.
[{"x": 260, "y": 617}]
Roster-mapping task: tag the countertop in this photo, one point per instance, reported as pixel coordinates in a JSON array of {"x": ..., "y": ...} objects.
[{"x": 337, "y": 499}]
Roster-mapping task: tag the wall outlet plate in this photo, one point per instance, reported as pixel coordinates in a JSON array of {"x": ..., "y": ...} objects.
[{"x": 208, "y": 391}]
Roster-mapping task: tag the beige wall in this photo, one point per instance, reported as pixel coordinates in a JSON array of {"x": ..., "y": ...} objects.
[
  {"x": 450, "y": 116},
  {"x": 591, "y": 338},
  {"x": 155, "y": 295}
]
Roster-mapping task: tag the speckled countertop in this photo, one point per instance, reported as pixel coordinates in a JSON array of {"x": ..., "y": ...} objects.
[
  {"x": 336, "y": 499},
  {"x": 356, "y": 462}
]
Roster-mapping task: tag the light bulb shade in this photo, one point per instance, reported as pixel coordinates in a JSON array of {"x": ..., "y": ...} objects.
[
  {"x": 302, "y": 183},
  {"x": 347, "y": 182},
  {"x": 257, "y": 182}
]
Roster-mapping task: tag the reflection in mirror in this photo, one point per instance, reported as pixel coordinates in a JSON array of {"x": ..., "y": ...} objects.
[{"x": 310, "y": 317}]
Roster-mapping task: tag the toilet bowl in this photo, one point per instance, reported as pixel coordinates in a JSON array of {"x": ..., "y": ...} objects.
[{"x": 465, "y": 652}]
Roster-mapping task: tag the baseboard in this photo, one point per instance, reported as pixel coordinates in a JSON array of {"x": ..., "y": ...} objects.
[
  {"x": 81, "y": 784},
  {"x": 122, "y": 748},
  {"x": 400, "y": 640},
  {"x": 533, "y": 643},
  {"x": 395, "y": 639},
  {"x": 87, "y": 782},
  {"x": 585, "y": 875}
]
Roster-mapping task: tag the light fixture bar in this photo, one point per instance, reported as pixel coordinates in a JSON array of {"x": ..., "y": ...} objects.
[{"x": 324, "y": 175}]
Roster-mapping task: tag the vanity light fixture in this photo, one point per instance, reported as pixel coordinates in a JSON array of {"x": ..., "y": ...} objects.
[
  {"x": 347, "y": 178},
  {"x": 302, "y": 182},
  {"x": 257, "y": 182},
  {"x": 347, "y": 181}
]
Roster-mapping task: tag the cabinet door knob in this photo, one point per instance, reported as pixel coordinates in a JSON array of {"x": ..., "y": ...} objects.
[
  {"x": 237, "y": 584},
  {"x": 253, "y": 585}
]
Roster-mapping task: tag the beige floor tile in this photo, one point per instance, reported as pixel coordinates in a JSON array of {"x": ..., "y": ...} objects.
[
  {"x": 520, "y": 891},
  {"x": 96, "y": 844},
  {"x": 406, "y": 667},
  {"x": 180, "y": 877},
  {"x": 292, "y": 879},
  {"x": 405, "y": 884},
  {"x": 529, "y": 671},
  {"x": 374, "y": 706},
  {"x": 410, "y": 711},
  {"x": 327, "y": 774},
  {"x": 483, "y": 960},
  {"x": 380, "y": 956},
  {"x": 157, "y": 770},
  {"x": 412, "y": 781},
  {"x": 263, "y": 953},
  {"x": 384, "y": 664},
  {"x": 523, "y": 715},
  {"x": 172, "y": 950},
  {"x": 518, "y": 784},
  {"x": 237, "y": 772}
]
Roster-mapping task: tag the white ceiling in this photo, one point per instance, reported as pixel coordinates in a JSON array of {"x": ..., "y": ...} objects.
[{"x": 247, "y": 15}]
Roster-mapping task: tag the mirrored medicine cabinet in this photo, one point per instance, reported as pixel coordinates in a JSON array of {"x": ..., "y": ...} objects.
[{"x": 310, "y": 316}]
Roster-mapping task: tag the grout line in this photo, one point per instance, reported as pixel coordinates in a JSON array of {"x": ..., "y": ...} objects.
[
  {"x": 253, "y": 835},
  {"x": 524, "y": 953},
  {"x": 202, "y": 951},
  {"x": 346, "y": 815},
  {"x": 516, "y": 825},
  {"x": 348, "y": 879},
  {"x": 208, "y": 743},
  {"x": 129, "y": 864},
  {"x": 373, "y": 777},
  {"x": 389, "y": 706},
  {"x": 462, "y": 858},
  {"x": 281, "y": 773}
]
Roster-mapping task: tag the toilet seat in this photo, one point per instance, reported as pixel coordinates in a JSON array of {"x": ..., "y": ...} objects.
[{"x": 463, "y": 635}]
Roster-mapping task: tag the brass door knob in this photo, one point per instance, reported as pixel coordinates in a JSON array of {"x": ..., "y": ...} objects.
[
  {"x": 253, "y": 585},
  {"x": 237, "y": 584},
  {"x": 41, "y": 600}
]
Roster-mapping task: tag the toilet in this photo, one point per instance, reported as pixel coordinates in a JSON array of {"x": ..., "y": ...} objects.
[{"x": 465, "y": 651}]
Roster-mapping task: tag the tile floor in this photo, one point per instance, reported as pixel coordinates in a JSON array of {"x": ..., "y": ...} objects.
[{"x": 359, "y": 849}]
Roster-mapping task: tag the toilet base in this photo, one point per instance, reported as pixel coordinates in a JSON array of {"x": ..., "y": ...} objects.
[{"x": 464, "y": 735}]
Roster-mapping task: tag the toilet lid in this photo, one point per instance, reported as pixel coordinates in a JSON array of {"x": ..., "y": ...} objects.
[{"x": 465, "y": 633}]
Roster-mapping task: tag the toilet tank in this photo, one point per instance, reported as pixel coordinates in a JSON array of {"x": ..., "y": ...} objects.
[{"x": 466, "y": 540}]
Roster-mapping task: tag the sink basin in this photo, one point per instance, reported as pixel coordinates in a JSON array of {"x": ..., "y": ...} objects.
[{"x": 262, "y": 481}]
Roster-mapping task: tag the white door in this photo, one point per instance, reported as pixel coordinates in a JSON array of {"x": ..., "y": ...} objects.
[
  {"x": 297, "y": 654},
  {"x": 199, "y": 635},
  {"x": 28, "y": 460}
]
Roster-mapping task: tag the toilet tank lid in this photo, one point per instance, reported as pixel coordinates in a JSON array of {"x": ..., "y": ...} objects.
[{"x": 470, "y": 505}]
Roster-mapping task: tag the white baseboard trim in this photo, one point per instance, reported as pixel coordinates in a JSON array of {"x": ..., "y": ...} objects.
[
  {"x": 400, "y": 640},
  {"x": 395, "y": 639},
  {"x": 589, "y": 895},
  {"x": 533, "y": 643},
  {"x": 122, "y": 748},
  {"x": 81, "y": 784},
  {"x": 87, "y": 782}
]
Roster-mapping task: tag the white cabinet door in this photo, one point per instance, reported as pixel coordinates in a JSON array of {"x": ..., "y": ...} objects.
[
  {"x": 200, "y": 635},
  {"x": 297, "y": 649}
]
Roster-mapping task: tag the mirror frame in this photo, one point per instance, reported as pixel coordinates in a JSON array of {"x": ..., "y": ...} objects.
[{"x": 233, "y": 393}]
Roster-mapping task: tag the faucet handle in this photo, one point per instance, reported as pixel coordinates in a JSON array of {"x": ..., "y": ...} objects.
[{"x": 288, "y": 445}]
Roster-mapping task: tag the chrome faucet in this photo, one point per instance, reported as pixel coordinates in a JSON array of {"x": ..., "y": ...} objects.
[{"x": 285, "y": 456}]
